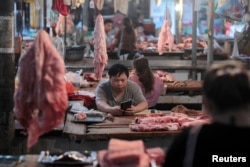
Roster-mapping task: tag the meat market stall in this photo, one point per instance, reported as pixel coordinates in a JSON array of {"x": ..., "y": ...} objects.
[
  {"x": 182, "y": 50},
  {"x": 175, "y": 91},
  {"x": 160, "y": 64},
  {"x": 154, "y": 127}
]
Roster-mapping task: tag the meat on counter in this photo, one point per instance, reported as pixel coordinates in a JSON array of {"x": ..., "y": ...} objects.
[{"x": 173, "y": 121}]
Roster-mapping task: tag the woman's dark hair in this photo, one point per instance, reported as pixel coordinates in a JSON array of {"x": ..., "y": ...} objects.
[
  {"x": 227, "y": 86},
  {"x": 144, "y": 73},
  {"x": 127, "y": 22},
  {"x": 117, "y": 70}
]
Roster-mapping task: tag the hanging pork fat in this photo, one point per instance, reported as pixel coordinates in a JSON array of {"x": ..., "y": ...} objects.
[
  {"x": 100, "y": 50},
  {"x": 41, "y": 98}
]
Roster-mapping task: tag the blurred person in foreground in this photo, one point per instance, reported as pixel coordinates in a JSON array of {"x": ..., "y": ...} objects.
[
  {"x": 151, "y": 85},
  {"x": 110, "y": 94},
  {"x": 224, "y": 142}
]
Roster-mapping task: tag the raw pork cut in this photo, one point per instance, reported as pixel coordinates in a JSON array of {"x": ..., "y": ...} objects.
[
  {"x": 41, "y": 89},
  {"x": 154, "y": 127},
  {"x": 60, "y": 25},
  {"x": 165, "y": 37},
  {"x": 157, "y": 154},
  {"x": 169, "y": 122},
  {"x": 123, "y": 153},
  {"x": 184, "y": 110},
  {"x": 100, "y": 50},
  {"x": 99, "y": 4}
]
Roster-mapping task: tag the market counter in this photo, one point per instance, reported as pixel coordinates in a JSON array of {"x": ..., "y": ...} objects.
[
  {"x": 171, "y": 55},
  {"x": 107, "y": 129},
  {"x": 185, "y": 85},
  {"x": 179, "y": 92},
  {"x": 120, "y": 129},
  {"x": 96, "y": 136}
]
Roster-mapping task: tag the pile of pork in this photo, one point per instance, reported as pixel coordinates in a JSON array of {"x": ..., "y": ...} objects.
[
  {"x": 164, "y": 76},
  {"x": 186, "y": 43},
  {"x": 123, "y": 153},
  {"x": 180, "y": 117}
]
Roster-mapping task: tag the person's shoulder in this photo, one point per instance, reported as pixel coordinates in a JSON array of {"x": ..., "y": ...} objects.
[
  {"x": 133, "y": 77},
  {"x": 132, "y": 84},
  {"x": 103, "y": 85},
  {"x": 184, "y": 132}
]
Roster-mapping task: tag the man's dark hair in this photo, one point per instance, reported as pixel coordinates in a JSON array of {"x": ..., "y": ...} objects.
[
  {"x": 106, "y": 21},
  {"x": 117, "y": 70}
]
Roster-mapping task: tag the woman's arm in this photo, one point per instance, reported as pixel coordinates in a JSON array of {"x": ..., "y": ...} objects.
[{"x": 116, "y": 39}]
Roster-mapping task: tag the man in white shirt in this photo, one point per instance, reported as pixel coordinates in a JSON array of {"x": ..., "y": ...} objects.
[{"x": 108, "y": 28}]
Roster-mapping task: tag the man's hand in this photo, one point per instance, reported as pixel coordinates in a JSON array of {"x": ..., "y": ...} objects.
[
  {"x": 116, "y": 111},
  {"x": 130, "y": 111}
]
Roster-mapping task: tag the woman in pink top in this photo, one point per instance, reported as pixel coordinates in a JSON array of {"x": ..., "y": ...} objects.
[{"x": 151, "y": 85}]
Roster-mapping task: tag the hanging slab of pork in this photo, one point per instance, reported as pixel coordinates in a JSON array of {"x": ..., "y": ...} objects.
[
  {"x": 41, "y": 97},
  {"x": 100, "y": 50}
]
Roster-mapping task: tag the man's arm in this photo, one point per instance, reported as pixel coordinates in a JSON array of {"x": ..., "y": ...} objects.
[
  {"x": 104, "y": 107},
  {"x": 138, "y": 97},
  {"x": 140, "y": 107}
]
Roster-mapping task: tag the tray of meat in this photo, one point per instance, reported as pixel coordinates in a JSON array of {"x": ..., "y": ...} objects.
[
  {"x": 88, "y": 117},
  {"x": 68, "y": 158},
  {"x": 76, "y": 107},
  {"x": 10, "y": 160}
]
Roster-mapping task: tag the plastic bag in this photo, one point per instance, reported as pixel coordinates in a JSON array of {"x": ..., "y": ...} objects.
[
  {"x": 232, "y": 10},
  {"x": 235, "y": 52},
  {"x": 75, "y": 79}
]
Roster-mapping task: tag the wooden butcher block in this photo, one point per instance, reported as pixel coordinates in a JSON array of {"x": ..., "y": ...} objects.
[
  {"x": 116, "y": 123},
  {"x": 73, "y": 128},
  {"x": 124, "y": 132}
]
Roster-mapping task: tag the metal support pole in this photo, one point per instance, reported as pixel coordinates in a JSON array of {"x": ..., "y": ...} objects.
[
  {"x": 194, "y": 44},
  {"x": 210, "y": 55},
  {"x": 45, "y": 13},
  {"x": 65, "y": 35},
  {"x": 7, "y": 68},
  {"x": 179, "y": 22}
]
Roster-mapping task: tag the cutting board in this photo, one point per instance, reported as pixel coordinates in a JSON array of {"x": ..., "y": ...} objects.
[
  {"x": 123, "y": 121},
  {"x": 118, "y": 122}
]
